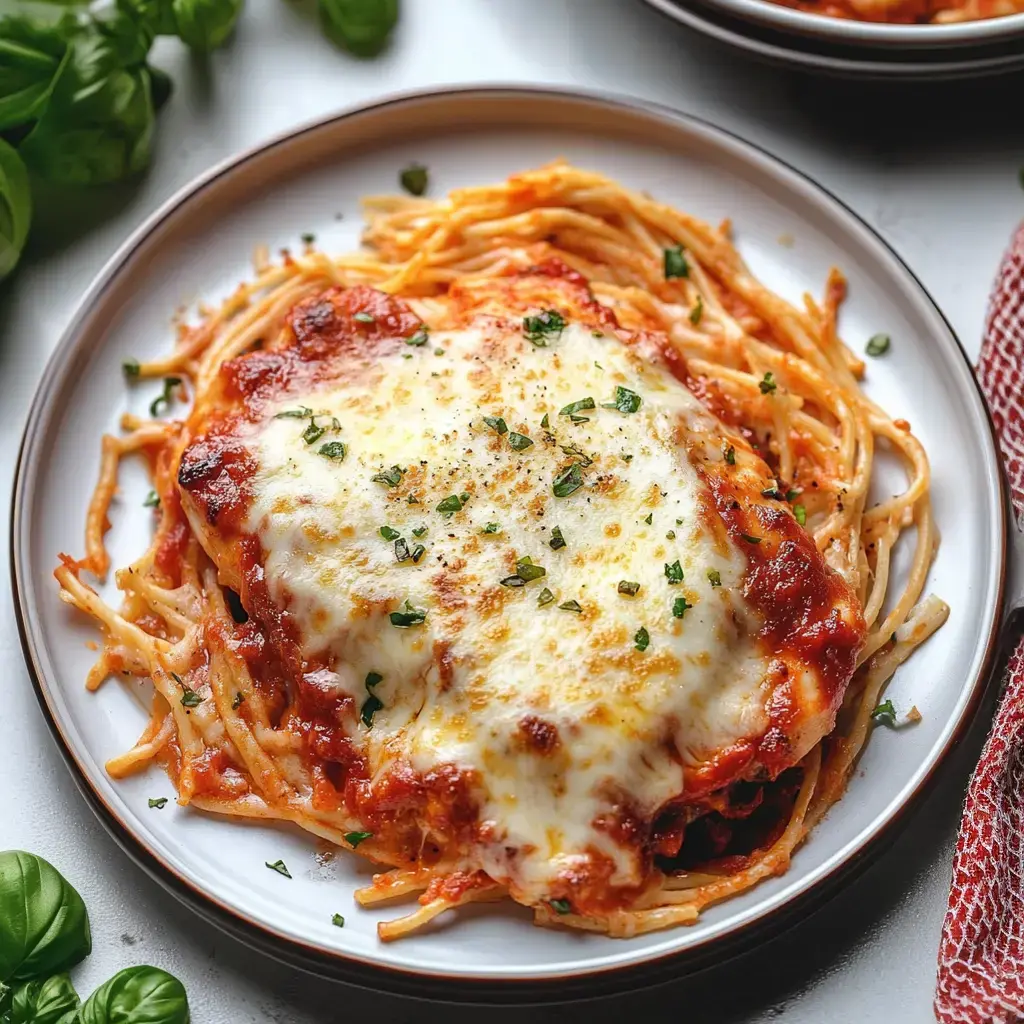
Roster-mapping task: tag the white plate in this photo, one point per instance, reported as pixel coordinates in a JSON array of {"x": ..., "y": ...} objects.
[
  {"x": 791, "y": 38},
  {"x": 198, "y": 246}
]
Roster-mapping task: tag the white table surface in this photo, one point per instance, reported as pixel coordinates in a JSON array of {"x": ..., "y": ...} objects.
[{"x": 932, "y": 167}]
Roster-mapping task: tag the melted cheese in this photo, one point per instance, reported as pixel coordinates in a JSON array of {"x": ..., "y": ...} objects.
[{"x": 560, "y": 715}]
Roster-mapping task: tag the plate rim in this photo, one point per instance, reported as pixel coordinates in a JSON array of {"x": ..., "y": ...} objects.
[
  {"x": 354, "y": 967},
  {"x": 978, "y": 32},
  {"x": 776, "y": 52}
]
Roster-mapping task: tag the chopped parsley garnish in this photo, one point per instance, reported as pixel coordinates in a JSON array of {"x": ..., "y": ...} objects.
[
  {"x": 338, "y": 921},
  {"x": 512, "y": 581},
  {"x": 675, "y": 263},
  {"x": 364, "y": 318},
  {"x": 453, "y": 503},
  {"x": 767, "y": 383},
  {"x": 279, "y": 867},
  {"x": 401, "y": 550},
  {"x": 419, "y": 531},
  {"x": 679, "y": 607},
  {"x": 492, "y": 528},
  {"x": 388, "y": 533},
  {"x": 528, "y": 571},
  {"x": 671, "y": 535},
  {"x": 419, "y": 339},
  {"x": 131, "y": 367},
  {"x": 157, "y": 802},
  {"x": 625, "y": 400},
  {"x": 545, "y": 597},
  {"x": 571, "y": 606},
  {"x": 497, "y": 423},
  {"x": 414, "y": 179},
  {"x": 730, "y": 455},
  {"x": 674, "y": 572},
  {"x": 355, "y": 838},
  {"x": 372, "y": 679},
  {"x": 237, "y": 701},
  {"x": 438, "y": 352},
  {"x": 557, "y": 540},
  {"x": 569, "y": 480},
  {"x": 878, "y": 345},
  {"x": 697, "y": 312},
  {"x": 370, "y": 707},
  {"x": 574, "y": 407},
  {"x": 749, "y": 539},
  {"x": 629, "y": 587},
  {"x": 576, "y": 450},
  {"x": 152, "y": 500},
  {"x": 650, "y": 519},
  {"x": 791, "y": 494},
  {"x": 714, "y": 577},
  {"x": 800, "y": 513},
  {"x": 189, "y": 697},
  {"x": 545, "y": 421},
  {"x": 164, "y": 399},
  {"x": 313, "y": 433},
  {"x": 302, "y": 413},
  {"x": 561, "y": 906},
  {"x": 409, "y": 616},
  {"x": 418, "y": 552},
  {"x": 885, "y": 713},
  {"x": 542, "y": 327},
  {"x": 332, "y": 450},
  {"x": 520, "y": 442},
  {"x": 308, "y": 238},
  {"x": 642, "y": 639}
]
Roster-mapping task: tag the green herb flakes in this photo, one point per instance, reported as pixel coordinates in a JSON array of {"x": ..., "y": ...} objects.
[
  {"x": 625, "y": 400},
  {"x": 629, "y": 588},
  {"x": 674, "y": 572},
  {"x": 415, "y": 179},
  {"x": 528, "y": 571},
  {"x": 313, "y": 433},
  {"x": 152, "y": 500},
  {"x": 355, "y": 838},
  {"x": 401, "y": 550},
  {"x": 545, "y": 421},
  {"x": 419, "y": 339},
  {"x": 189, "y": 697},
  {"x": 545, "y": 597},
  {"x": 158, "y": 802},
  {"x": 675, "y": 264},
  {"x": 388, "y": 533},
  {"x": 641, "y": 639},
  {"x": 578, "y": 406},
  {"x": 520, "y": 442},
  {"x": 767, "y": 384},
  {"x": 885, "y": 714},
  {"x": 302, "y": 413},
  {"x": 364, "y": 318},
  {"x": 730, "y": 455},
  {"x": 418, "y": 552},
  {"x": 279, "y": 867},
  {"x": 338, "y": 921},
  {"x": 419, "y": 531},
  {"x": 649, "y": 520},
  {"x": 542, "y": 328},
  {"x": 714, "y": 577},
  {"x": 557, "y": 539},
  {"x": 408, "y": 616},
  {"x": 800, "y": 514},
  {"x": 878, "y": 345},
  {"x": 334, "y": 450},
  {"x": 452, "y": 504},
  {"x": 680, "y": 606},
  {"x": 750, "y": 539},
  {"x": 496, "y": 423},
  {"x": 238, "y": 700},
  {"x": 571, "y": 606},
  {"x": 163, "y": 400},
  {"x": 568, "y": 481},
  {"x": 370, "y": 707},
  {"x": 492, "y": 528},
  {"x": 697, "y": 312},
  {"x": 131, "y": 367},
  {"x": 560, "y": 906}
]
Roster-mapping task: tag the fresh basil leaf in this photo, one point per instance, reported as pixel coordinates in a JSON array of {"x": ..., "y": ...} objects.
[
  {"x": 204, "y": 25},
  {"x": 44, "y": 927},
  {"x": 15, "y": 208},
  {"x": 137, "y": 995},
  {"x": 98, "y": 124},
  {"x": 45, "y": 1001},
  {"x": 31, "y": 52},
  {"x": 360, "y": 26}
]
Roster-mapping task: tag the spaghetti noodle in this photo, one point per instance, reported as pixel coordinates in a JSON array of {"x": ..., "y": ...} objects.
[{"x": 247, "y": 722}]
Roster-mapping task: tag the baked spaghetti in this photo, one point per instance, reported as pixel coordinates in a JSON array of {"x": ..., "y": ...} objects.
[{"x": 527, "y": 551}]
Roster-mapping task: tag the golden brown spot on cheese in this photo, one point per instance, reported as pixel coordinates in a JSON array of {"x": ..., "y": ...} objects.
[{"x": 612, "y": 529}]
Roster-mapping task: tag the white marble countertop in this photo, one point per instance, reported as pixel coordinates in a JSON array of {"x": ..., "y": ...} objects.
[{"x": 931, "y": 167}]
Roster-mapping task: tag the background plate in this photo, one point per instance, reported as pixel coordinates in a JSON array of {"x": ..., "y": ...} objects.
[{"x": 311, "y": 181}]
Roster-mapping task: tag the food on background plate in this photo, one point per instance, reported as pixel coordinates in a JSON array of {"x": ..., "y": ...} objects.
[
  {"x": 909, "y": 12},
  {"x": 527, "y": 551}
]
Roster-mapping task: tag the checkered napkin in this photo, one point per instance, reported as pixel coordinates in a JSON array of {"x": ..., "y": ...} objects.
[{"x": 981, "y": 957}]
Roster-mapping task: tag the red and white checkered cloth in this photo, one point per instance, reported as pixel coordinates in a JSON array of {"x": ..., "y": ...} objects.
[{"x": 981, "y": 957}]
